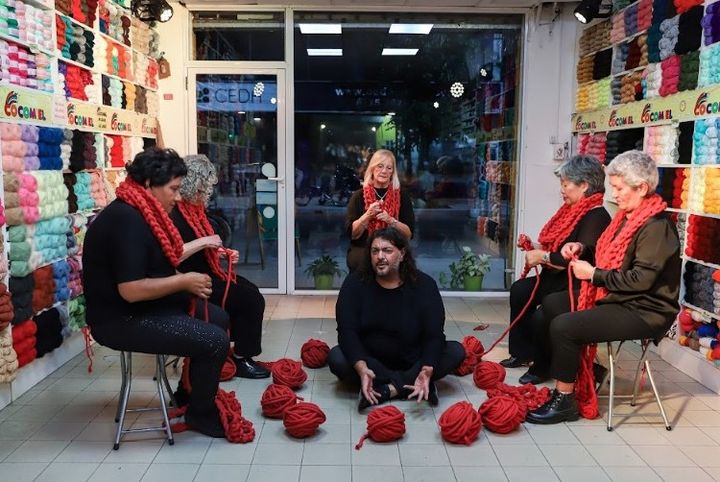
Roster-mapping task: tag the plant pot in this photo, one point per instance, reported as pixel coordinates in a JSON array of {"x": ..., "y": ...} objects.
[
  {"x": 473, "y": 283},
  {"x": 324, "y": 281}
]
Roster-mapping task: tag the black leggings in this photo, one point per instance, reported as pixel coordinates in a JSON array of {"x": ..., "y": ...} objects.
[
  {"x": 520, "y": 340},
  {"x": 246, "y": 307},
  {"x": 569, "y": 332},
  {"x": 177, "y": 334},
  {"x": 451, "y": 358}
]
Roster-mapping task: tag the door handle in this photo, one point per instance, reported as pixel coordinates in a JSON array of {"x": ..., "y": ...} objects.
[{"x": 280, "y": 180}]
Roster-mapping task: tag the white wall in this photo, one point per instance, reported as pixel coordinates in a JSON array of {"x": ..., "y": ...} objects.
[
  {"x": 547, "y": 103},
  {"x": 173, "y": 117}
]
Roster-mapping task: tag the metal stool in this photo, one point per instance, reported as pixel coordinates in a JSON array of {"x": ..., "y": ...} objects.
[
  {"x": 642, "y": 367},
  {"x": 160, "y": 379}
]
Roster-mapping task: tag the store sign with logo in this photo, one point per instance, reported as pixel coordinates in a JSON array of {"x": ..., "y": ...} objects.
[
  {"x": 25, "y": 105},
  {"x": 81, "y": 115},
  {"x": 237, "y": 96}
]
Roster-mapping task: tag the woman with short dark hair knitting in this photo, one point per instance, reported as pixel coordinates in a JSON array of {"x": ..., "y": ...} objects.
[
  {"x": 630, "y": 293},
  {"x": 136, "y": 299}
]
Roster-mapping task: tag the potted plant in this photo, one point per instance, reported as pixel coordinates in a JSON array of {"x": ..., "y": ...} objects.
[
  {"x": 468, "y": 272},
  {"x": 323, "y": 270}
]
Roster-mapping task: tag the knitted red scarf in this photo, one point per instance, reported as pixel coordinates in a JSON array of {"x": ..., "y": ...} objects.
[
  {"x": 196, "y": 217},
  {"x": 609, "y": 255},
  {"x": 559, "y": 227},
  {"x": 157, "y": 218},
  {"x": 390, "y": 204}
]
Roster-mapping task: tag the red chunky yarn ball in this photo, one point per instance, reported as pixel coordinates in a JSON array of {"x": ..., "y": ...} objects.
[
  {"x": 385, "y": 424},
  {"x": 314, "y": 353},
  {"x": 303, "y": 419},
  {"x": 501, "y": 414},
  {"x": 460, "y": 423},
  {"x": 473, "y": 353},
  {"x": 488, "y": 374},
  {"x": 288, "y": 372},
  {"x": 276, "y": 399}
]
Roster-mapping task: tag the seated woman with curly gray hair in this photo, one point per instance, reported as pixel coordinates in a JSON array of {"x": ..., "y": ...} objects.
[
  {"x": 244, "y": 303},
  {"x": 630, "y": 293}
]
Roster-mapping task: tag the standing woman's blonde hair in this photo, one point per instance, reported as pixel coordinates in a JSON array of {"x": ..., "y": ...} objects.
[{"x": 379, "y": 156}]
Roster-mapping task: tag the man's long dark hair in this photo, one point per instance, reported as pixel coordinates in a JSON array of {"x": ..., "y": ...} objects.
[{"x": 408, "y": 270}]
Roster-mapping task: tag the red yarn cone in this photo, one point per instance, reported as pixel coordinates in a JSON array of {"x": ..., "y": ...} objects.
[
  {"x": 314, "y": 353},
  {"x": 488, "y": 374},
  {"x": 501, "y": 414},
  {"x": 276, "y": 399},
  {"x": 288, "y": 372},
  {"x": 385, "y": 424},
  {"x": 473, "y": 353},
  {"x": 460, "y": 423},
  {"x": 303, "y": 419}
]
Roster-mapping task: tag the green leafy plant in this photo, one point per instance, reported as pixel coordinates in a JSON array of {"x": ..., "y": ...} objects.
[
  {"x": 469, "y": 265},
  {"x": 324, "y": 265}
]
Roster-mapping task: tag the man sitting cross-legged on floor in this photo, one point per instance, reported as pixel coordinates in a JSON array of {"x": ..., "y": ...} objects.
[{"x": 390, "y": 327}]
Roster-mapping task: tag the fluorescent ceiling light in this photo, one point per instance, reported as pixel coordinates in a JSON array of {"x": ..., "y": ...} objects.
[
  {"x": 387, "y": 51},
  {"x": 411, "y": 28},
  {"x": 320, "y": 28},
  {"x": 325, "y": 52}
]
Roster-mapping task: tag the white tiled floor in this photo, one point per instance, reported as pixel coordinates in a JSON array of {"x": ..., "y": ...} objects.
[{"x": 62, "y": 429}]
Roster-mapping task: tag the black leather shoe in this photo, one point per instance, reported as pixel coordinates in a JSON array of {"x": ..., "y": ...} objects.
[
  {"x": 532, "y": 378},
  {"x": 514, "y": 362},
  {"x": 206, "y": 424},
  {"x": 383, "y": 390},
  {"x": 248, "y": 368},
  {"x": 561, "y": 407}
]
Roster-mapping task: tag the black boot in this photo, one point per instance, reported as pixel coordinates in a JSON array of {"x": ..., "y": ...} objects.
[
  {"x": 531, "y": 376},
  {"x": 562, "y": 407}
]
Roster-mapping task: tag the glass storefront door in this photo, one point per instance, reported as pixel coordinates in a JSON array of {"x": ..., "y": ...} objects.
[{"x": 238, "y": 117}]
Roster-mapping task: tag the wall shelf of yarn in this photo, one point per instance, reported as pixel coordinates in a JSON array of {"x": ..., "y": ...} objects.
[
  {"x": 31, "y": 47},
  {"x": 77, "y": 80},
  {"x": 25, "y": 68},
  {"x": 595, "y": 38},
  {"x": 75, "y": 41},
  {"x": 115, "y": 22},
  {"x": 82, "y": 12}
]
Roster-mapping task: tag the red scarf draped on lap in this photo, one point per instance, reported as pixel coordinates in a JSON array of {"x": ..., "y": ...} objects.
[
  {"x": 155, "y": 215},
  {"x": 609, "y": 255}
]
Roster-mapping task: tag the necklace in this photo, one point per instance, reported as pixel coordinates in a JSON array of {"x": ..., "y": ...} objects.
[{"x": 380, "y": 198}]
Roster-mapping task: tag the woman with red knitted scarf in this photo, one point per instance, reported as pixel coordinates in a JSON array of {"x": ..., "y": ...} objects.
[
  {"x": 379, "y": 204},
  {"x": 581, "y": 218},
  {"x": 136, "y": 299},
  {"x": 631, "y": 293},
  {"x": 244, "y": 303}
]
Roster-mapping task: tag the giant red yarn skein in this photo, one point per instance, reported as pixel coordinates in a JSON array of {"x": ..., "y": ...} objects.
[
  {"x": 303, "y": 419},
  {"x": 528, "y": 396},
  {"x": 288, "y": 372},
  {"x": 384, "y": 424},
  {"x": 501, "y": 414},
  {"x": 460, "y": 423},
  {"x": 276, "y": 399},
  {"x": 488, "y": 374},
  {"x": 473, "y": 353},
  {"x": 314, "y": 353}
]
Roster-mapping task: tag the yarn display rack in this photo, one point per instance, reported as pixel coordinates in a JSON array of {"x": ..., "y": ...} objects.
[
  {"x": 43, "y": 234},
  {"x": 673, "y": 119}
]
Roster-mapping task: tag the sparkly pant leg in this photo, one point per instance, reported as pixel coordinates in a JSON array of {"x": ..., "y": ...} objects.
[{"x": 175, "y": 334}]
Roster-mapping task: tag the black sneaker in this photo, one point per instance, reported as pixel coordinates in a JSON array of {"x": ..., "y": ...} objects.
[
  {"x": 514, "y": 362},
  {"x": 562, "y": 407},
  {"x": 383, "y": 390},
  {"x": 249, "y": 368}
]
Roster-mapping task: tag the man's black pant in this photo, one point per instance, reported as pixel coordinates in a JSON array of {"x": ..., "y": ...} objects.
[
  {"x": 179, "y": 334},
  {"x": 567, "y": 332},
  {"x": 521, "y": 340},
  {"x": 246, "y": 307},
  {"x": 451, "y": 358}
]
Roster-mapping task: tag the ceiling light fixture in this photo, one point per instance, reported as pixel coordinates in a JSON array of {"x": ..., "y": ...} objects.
[
  {"x": 320, "y": 28},
  {"x": 325, "y": 52},
  {"x": 258, "y": 89},
  {"x": 436, "y": 104},
  {"x": 389, "y": 51},
  {"x": 322, "y": 127},
  {"x": 151, "y": 10},
  {"x": 411, "y": 28},
  {"x": 588, "y": 10},
  {"x": 457, "y": 89}
]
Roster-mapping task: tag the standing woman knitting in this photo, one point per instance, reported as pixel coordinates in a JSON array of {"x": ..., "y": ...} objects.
[
  {"x": 379, "y": 204},
  {"x": 244, "y": 304},
  {"x": 581, "y": 218},
  {"x": 630, "y": 293}
]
